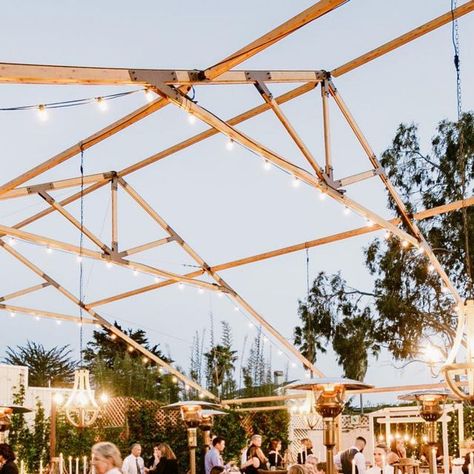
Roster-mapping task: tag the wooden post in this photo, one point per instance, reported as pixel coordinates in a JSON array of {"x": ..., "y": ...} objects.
[
  {"x": 114, "y": 215},
  {"x": 326, "y": 128}
]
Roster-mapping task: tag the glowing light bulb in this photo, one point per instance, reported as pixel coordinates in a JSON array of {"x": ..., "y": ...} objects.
[
  {"x": 295, "y": 182},
  {"x": 181, "y": 286},
  {"x": 42, "y": 112},
  {"x": 322, "y": 196},
  {"x": 201, "y": 395},
  {"x": 12, "y": 314},
  {"x": 135, "y": 272},
  {"x": 431, "y": 267},
  {"x": 387, "y": 235},
  {"x": 280, "y": 353},
  {"x": 157, "y": 280},
  {"x": 370, "y": 223},
  {"x": 101, "y": 103},
  {"x": 49, "y": 250},
  {"x": 78, "y": 259},
  {"x": 250, "y": 325},
  {"x": 406, "y": 437},
  {"x": 293, "y": 364},
  {"x": 174, "y": 379},
  {"x": 58, "y": 322},
  {"x": 149, "y": 96},
  {"x": 191, "y": 118},
  {"x": 108, "y": 264},
  {"x": 37, "y": 318},
  {"x": 265, "y": 339},
  {"x": 12, "y": 241},
  {"x": 113, "y": 337},
  {"x": 130, "y": 349},
  {"x": 347, "y": 211},
  {"x": 200, "y": 291},
  {"x": 404, "y": 244},
  {"x": 267, "y": 165},
  {"x": 104, "y": 398},
  {"x": 230, "y": 144},
  {"x": 220, "y": 294},
  {"x": 236, "y": 308},
  {"x": 145, "y": 360},
  {"x": 79, "y": 324},
  {"x": 381, "y": 437}
]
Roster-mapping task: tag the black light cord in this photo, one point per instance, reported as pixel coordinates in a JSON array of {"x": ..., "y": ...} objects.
[
  {"x": 81, "y": 243},
  {"x": 457, "y": 61}
]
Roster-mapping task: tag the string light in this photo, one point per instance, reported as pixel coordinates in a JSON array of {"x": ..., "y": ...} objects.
[
  {"x": 42, "y": 112},
  {"x": 49, "y": 250},
  {"x": 149, "y": 96},
  {"x": 181, "y": 286},
  {"x": 295, "y": 182},
  {"x": 370, "y": 223},
  {"x": 267, "y": 165},
  {"x": 431, "y": 267},
  {"x": 37, "y": 318},
  {"x": 174, "y": 379},
  {"x": 404, "y": 244},
  {"x": 347, "y": 211},
  {"x": 191, "y": 118},
  {"x": 12, "y": 314},
  {"x": 135, "y": 272},
  {"x": 251, "y": 325},
  {"x": 130, "y": 349},
  {"x": 58, "y": 322},
  {"x": 113, "y": 337},
  {"x": 387, "y": 235},
  {"x": 293, "y": 364},
  {"x": 78, "y": 259},
  {"x": 230, "y": 144},
  {"x": 157, "y": 280},
  {"x": 108, "y": 264},
  {"x": 11, "y": 242},
  {"x": 200, "y": 291},
  {"x": 236, "y": 308},
  {"x": 145, "y": 360},
  {"x": 322, "y": 195},
  {"x": 101, "y": 103}
]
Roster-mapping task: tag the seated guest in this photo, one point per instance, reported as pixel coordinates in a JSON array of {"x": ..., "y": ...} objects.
[
  {"x": 217, "y": 470},
  {"x": 306, "y": 449},
  {"x": 296, "y": 469},
  {"x": 321, "y": 468},
  {"x": 255, "y": 459},
  {"x": 274, "y": 457},
  {"x": 214, "y": 456},
  {"x": 380, "y": 461},
  {"x": 397, "y": 451}
]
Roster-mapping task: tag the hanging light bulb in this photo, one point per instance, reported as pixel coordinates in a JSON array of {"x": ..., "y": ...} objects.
[
  {"x": 79, "y": 259},
  {"x": 370, "y": 223},
  {"x": 387, "y": 235},
  {"x": 236, "y": 308},
  {"x": 201, "y": 291},
  {"x": 42, "y": 112},
  {"x": 404, "y": 244},
  {"x": 101, "y": 103},
  {"x": 12, "y": 241},
  {"x": 49, "y": 250},
  {"x": 295, "y": 182},
  {"x": 322, "y": 195},
  {"x": 267, "y": 165},
  {"x": 58, "y": 322},
  {"x": 145, "y": 360},
  {"x": 157, "y": 280},
  {"x": 191, "y": 118},
  {"x": 250, "y": 325},
  {"x": 230, "y": 144},
  {"x": 181, "y": 286},
  {"x": 149, "y": 96},
  {"x": 293, "y": 364},
  {"x": 135, "y": 272},
  {"x": 108, "y": 264},
  {"x": 347, "y": 211},
  {"x": 431, "y": 268},
  {"x": 12, "y": 314}
]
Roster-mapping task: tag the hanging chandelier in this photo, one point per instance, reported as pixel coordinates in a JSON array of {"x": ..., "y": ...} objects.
[
  {"x": 81, "y": 407},
  {"x": 459, "y": 376}
]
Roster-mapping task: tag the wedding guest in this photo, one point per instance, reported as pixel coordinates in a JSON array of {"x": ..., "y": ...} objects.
[
  {"x": 154, "y": 460},
  {"x": 274, "y": 457},
  {"x": 397, "y": 451},
  {"x": 380, "y": 461},
  {"x": 168, "y": 463},
  {"x": 134, "y": 463},
  {"x": 306, "y": 449},
  {"x": 255, "y": 459},
  {"x": 353, "y": 455},
  {"x": 7, "y": 460},
  {"x": 214, "y": 455},
  {"x": 106, "y": 458}
]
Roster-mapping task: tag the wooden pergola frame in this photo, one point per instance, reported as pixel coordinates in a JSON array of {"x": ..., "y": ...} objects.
[{"x": 172, "y": 87}]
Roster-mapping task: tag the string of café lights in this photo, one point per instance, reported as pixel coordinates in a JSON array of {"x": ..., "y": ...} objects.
[{"x": 102, "y": 104}]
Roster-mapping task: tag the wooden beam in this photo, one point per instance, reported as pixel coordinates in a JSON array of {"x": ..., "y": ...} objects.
[
  {"x": 88, "y": 142},
  {"x": 410, "y": 224},
  {"x": 103, "y": 322},
  {"x": 211, "y": 119},
  {"x": 356, "y": 178},
  {"x": 326, "y": 129},
  {"x": 404, "y": 39},
  {"x": 222, "y": 284},
  {"x": 113, "y": 184},
  {"x": 426, "y": 214},
  {"x": 12, "y": 73},
  {"x": 56, "y": 244},
  {"x": 54, "y": 185},
  {"x": 315, "y": 11},
  {"x": 52, "y": 202},
  {"x": 25, "y": 291},
  {"x": 268, "y": 98},
  {"x": 38, "y": 313},
  {"x": 147, "y": 246},
  {"x": 257, "y": 409}
]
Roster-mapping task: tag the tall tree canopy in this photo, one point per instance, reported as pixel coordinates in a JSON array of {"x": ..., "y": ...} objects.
[
  {"x": 407, "y": 305},
  {"x": 45, "y": 366}
]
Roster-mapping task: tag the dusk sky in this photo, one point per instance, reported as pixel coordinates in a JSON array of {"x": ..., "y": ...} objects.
[{"x": 223, "y": 203}]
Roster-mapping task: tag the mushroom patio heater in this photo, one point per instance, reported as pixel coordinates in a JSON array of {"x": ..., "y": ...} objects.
[
  {"x": 431, "y": 403},
  {"x": 207, "y": 421},
  {"x": 5, "y": 417},
  {"x": 329, "y": 396},
  {"x": 192, "y": 415}
]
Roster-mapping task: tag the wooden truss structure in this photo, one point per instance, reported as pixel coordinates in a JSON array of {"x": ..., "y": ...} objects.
[{"x": 172, "y": 87}]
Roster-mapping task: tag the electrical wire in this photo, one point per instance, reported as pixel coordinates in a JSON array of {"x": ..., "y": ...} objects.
[
  {"x": 81, "y": 263},
  {"x": 457, "y": 61}
]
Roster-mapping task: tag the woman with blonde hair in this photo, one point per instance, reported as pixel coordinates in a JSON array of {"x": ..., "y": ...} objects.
[
  {"x": 255, "y": 459},
  {"x": 106, "y": 458}
]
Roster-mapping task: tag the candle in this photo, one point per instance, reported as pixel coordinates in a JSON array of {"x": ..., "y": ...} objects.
[
  {"x": 433, "y": 455},
  {"x": 353, "y": 466},
  {"x": 70, "y": 464},
  {"x": 469, "y": 467},
  {"x": 77, "y": 465},
  {"x": 22, "y": 467},
  {"x": 305, "y": 455},
  {"x": 61, "y": 463},
  {"x": 41, "y": 466},
  {"x": 84, "y": 465},
  {"x": 471, "y": 459},
  {"x": 384, "y": 461},
  {"x": 319, "y": 456}
]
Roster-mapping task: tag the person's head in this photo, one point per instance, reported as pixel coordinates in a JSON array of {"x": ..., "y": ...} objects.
[
  {"x": 306, "y": 443},
  {"x": 321, "y": 468},
  {"x": 296, "y": 469},
  {"x": 136, "y": 449},
  {"x": 397, "y": 445},
  {"x": 166, "y": 451},
  {"x": 156, "y": 451},
  {"x": 311, "y": 459},
  {"x": 360, "y": 443},
  {"x": 218, "y": 443},
  {"x": 275, "y": 445},
  {"x": 380, "y": 452},
  {"x": 217, "y": 469},
  {"x": 105, "y": 456},
  {"x": 6, "y": 453},
  {"x": 256, "y": 440}
]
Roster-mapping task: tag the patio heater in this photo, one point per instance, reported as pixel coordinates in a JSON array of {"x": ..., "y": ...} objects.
[
  {"x": 207, "y": 421},
  {"x": 192, "y": 415},
  {"x": 329, "y": 396},
  {"x": 5, "y": 418},
  {"x": 431, "y": 403}
]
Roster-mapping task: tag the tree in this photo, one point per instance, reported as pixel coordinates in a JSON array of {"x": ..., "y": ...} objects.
[
  {"x": 408, "y": 305},
  {"x": 45, "y": 366}
]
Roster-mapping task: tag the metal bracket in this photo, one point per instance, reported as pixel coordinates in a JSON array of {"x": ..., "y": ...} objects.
[
  {"x": 151, "y": 76},
  {"x": 258, "y": 76},
  {"x": 264, "y": 90}
]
